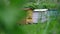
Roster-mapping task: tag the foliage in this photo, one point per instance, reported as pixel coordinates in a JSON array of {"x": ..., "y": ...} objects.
[
  {"x": 10, "y": 13},
  {"x": 48, "y": 5}
]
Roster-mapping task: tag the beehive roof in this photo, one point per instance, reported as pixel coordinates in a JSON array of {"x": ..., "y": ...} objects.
[{"x": 40, "y": 9}]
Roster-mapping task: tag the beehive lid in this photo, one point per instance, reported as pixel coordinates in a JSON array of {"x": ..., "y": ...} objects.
[{"x": 40, "y": 9}]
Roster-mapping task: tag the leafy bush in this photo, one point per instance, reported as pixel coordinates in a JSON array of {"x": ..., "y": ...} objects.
[{"x": 41, "y": 5}]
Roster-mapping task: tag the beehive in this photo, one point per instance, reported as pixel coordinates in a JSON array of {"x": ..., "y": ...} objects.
[{"x": 29, "y": 16}]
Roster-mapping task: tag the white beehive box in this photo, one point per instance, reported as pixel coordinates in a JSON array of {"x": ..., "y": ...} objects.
[{"x": 37, "y": 15}]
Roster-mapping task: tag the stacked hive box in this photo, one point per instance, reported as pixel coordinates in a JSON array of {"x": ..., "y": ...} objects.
[{"x": 29, "y": 16}]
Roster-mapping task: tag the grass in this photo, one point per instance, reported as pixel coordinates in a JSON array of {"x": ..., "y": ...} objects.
[
  {"x": 40, "y": 28},
  {"x": 33, "y": 28}
]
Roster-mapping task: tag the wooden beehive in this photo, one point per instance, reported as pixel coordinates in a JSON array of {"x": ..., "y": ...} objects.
[{"x": 29, "y": 15}]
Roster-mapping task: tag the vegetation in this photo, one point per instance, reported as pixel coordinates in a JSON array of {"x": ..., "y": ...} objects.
[
  {"x": 41, "y": 4},
  {"x": 11, "y": 12}
]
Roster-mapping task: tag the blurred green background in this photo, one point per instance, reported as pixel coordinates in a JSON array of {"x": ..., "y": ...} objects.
[{"x": 12, "y": 11}]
